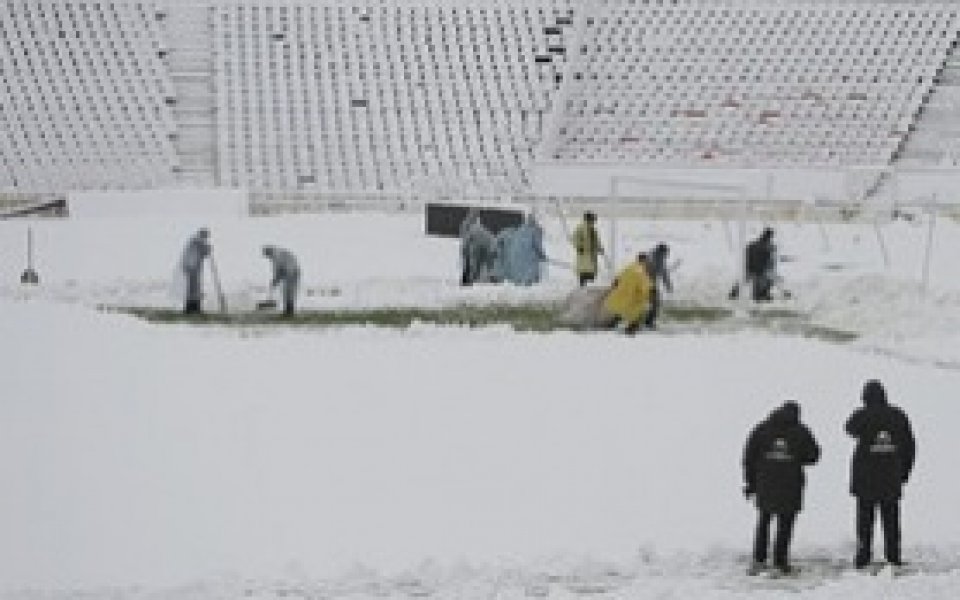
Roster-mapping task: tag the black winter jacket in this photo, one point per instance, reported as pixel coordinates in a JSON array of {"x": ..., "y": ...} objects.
[
  {"x": 773, "y": 460},
  {"x": 761, "y": 254},
  {"x": 657, "y": 261},
  {"x": 885, "y": 452}
]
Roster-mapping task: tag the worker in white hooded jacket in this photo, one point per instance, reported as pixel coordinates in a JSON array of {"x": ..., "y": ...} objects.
[
  {"x": 197, "y": 250},
  {"x": 286, "y": 273}
]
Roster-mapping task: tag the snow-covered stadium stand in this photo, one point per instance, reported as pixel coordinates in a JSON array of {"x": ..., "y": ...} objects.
[
  {"x": 83, "y": 96},
  {"x": 465, "y": 97},
  {"x": 386, "y": 95},
  {"x": 750, "y": 83}
]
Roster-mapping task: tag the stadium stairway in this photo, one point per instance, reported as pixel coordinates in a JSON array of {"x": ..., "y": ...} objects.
[
  {"x": 187, "y": 32},
  {"x": 933, "y": 138}
]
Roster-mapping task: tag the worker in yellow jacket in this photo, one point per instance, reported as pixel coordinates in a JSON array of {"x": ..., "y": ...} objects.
[{"x": 628, "y": 300}]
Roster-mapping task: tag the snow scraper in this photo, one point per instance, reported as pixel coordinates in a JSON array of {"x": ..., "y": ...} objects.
[
  {"x": 269, "y": 303},
  {"x": 221, "y": 299}
]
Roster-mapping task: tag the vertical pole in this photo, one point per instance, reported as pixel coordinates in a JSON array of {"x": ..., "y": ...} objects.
[
  {"x": 742, "y": 241},
  {"x": 927, "y": 255},
  {"x": 612, "y": 253},
  {"x": 30, "y": 248},
  {"x": 882, "y": 243},
  {"x": 727, "y": 235},
  {"x": 823, "y": 234},
  {"x": 895, "y": 190},
  {"x": 29, "y": 275},
  {"x": 724, "y": 215},
  {"x": 824, "y": 238},
  {"x": 563, "y": 220},
  {"x": 613, "y": 244},
  {"x": 221, "y": 298}
]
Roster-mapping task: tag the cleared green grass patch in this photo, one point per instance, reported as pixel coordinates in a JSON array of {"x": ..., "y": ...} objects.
[
  {"x": 522, "y": 318},
  {"x": 527, "y": 318},
  {"x": 770, "y": 314},
  {"x": 829, "y": 334},
  {"x": 695, "y": 314}
]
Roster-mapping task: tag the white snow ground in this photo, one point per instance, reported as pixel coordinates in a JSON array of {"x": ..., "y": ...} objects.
[{"x": 149, "y": 461}]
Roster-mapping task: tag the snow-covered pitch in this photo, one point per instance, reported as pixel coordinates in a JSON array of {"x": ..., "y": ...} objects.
[{"x": 183, "y": 462}]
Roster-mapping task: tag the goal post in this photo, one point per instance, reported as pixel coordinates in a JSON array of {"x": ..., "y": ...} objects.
[{"x": 654, "y": 188}]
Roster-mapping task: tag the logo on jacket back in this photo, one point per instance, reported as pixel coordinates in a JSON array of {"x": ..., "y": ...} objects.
[
  {"x": 779, "y": 451},
  {"x": 883, "y": 443}
]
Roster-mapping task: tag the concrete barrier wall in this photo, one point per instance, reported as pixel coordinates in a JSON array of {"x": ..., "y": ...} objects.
[
  {"x": 709, "y": 183},
  {"x": 158, "y": 203},
  {"x": 944, "y": 184}
]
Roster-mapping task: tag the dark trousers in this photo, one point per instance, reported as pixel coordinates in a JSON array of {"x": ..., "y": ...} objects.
[
  {"x": 194, "y": 293},
  {"x": 889, "y": 518},
  {"x": 781, "y": 545},
  {"x": 654, "y": 311},
  {"x": 628, "y": 328},
  {"x": 290, "y": 285},
  {"x": 762, "y": 285},
  {"x": 586, "y": 278}
]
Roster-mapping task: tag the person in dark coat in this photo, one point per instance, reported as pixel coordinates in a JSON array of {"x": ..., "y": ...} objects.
[
  {"x": 198, "y": 248},
  {"x": 881, "y": 465},
  {"x": 761, "y": 263},
  {"x": 776, "y": 451},
  {"x": 659, "y": 274},
  {"x": 286, "y": 274},
  {"x": 478, "y": 251},
  {"x": 587, "y": 243}
]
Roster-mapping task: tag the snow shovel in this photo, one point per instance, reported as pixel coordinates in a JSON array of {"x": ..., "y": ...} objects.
[
  {"x": 269, "y": 303},
  {"x": 784, "y": 292},
  {"x": 29, "y": 275},
  {"x": 559, "y": 263},
  {"x": 674, "y": 265},
  {"x": 221, "y": 299},
  {"x": 734, "y": 291}
]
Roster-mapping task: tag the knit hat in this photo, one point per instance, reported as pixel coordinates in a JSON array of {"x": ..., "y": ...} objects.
[{"x": 873, "y": 393}]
